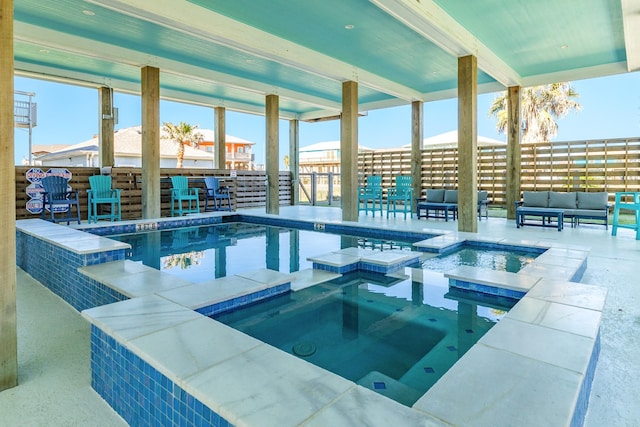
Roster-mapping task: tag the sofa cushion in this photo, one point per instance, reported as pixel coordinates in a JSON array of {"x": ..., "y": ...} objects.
[
  {"x": 435, "y": 196},
  {"x": 587, "y": 213},
  {"x": 562, "y": 200},
  {"x": 592, "y": 200},
  {"x": 535, "y": 199},
  {"x": 451, "y": 196}
]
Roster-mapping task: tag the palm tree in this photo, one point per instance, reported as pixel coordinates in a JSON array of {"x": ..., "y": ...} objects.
[
  {"x": 541, "y": 107},
  {"x": 182, "y": 133}
]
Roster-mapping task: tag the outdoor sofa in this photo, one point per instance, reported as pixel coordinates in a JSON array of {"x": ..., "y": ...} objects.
[
  {"x": 575, "y": 206},
  {"x": 442, "y": 202}
]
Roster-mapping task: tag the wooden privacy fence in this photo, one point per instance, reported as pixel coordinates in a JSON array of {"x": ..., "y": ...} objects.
[
  {"x": 611, "y": 165},
  {"x": 247, "y": 188}
]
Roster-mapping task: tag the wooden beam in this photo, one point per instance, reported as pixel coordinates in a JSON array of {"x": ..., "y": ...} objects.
[
  {"x": 272, "y": 153},
  {"x": 417, "y": 126},
  {"x": 150, "y": 78},
  {"x": 294, "y": 159},
  {"x": 107, "y": 122},
  {"x": 513, "y": 150},
  {"x": 349, "y": 151},
  {"x": 8, "y": 327},
  {"x": 219, "y": 123},
  {"x": 467, "y": 144}
]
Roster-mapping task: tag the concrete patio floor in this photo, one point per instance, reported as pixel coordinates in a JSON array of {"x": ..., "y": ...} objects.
[{"x": 53, "y": 339}]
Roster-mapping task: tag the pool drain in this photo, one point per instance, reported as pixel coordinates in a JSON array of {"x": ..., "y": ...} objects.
[{"x": 304, "y": 349}]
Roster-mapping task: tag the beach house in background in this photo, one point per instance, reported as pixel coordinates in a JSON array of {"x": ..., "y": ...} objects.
[
  {"x": 128, "y": 147},
  {"x": 324, "y": 157},
  {"x": 450, "y": 140}
]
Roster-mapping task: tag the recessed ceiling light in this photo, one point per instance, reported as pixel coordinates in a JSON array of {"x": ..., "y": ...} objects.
[
  {"x": 349, "y": 26},
  {"x": 44, "y": 51},
  {"x": 564, "y": 46},
  {"x": 88, "y": 12}
]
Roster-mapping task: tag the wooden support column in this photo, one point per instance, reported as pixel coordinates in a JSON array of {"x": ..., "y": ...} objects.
[
  {"x": 8, "y": 327},
  {"x": 294, "y": 159},
  {"x": 513, "y": 150},
  {"x": 272, "y": 153},
  {"x": 220, "y": 157},
  {"x": 349, "y": 151},
  {"x": 107, "y": 122},
  {"x": 150, "y": 143},
  {"x": 417, "y": 126},
  {"x": 467, "y": 144}
]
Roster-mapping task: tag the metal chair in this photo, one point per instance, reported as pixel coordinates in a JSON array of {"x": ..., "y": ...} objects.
[
  {"x": 58, "y": 197},
  {"x": 217, "y": 194},
  {"x": 182, "y": 193},
  {"x": 371, "y": 192},
  {"x": 102, "y": 193},
  {"x": 400, "y": 197}
]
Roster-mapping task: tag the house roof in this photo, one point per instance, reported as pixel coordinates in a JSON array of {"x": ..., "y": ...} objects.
[
  {"x": 233, "y": 53},
  {"x": 128, "y": 142},
  {"x": 450, "y": 138},
  {"x": 43, "y": 149},
  {"x": 328, "y": 145},
  {"x": 210, "y": 136}
]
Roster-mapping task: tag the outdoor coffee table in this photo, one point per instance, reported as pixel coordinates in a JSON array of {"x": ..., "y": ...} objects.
[{"x": 544, "y": 213}]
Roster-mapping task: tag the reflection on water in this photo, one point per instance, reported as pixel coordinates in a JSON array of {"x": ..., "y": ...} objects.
[{"x": 199, "y": 254}]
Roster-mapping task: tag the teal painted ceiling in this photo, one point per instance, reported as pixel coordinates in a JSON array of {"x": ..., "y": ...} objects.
[{"x": 234, "y": 53}]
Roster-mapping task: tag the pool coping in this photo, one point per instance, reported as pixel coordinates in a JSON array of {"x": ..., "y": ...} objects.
[{"x": 546, "y": 296}]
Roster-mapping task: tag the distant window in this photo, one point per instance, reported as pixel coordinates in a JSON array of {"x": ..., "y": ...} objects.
[
  {"x": 209, "y": 149},
  {"x": 240, "y": 149}
]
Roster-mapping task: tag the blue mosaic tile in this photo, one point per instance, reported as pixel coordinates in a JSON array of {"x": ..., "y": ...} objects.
[
  {"x": 451, "y": 348},
  {"x": 139, "y": 393},
  {"x": 57, "y": 269},
  {"x": 244, "y": 300},
  {"x": 379, "y": 385},
  {"x": 429, "y": 370},
  {"x": 580, "y": 411}
]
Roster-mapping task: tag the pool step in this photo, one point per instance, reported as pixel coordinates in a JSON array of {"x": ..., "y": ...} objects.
[
  {"x": 310, "y": 277},
  {"x": 132, "y": 279},
  {"x": 493, "y": 282},
  {"x": 353, "y": 259},
  {"x": 229, "y": 293}
]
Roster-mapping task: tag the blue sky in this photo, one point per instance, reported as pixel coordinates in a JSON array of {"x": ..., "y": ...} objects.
[{"x": 68, "y": 114}]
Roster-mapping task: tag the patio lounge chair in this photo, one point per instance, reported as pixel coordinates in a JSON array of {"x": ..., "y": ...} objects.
[
  {"x": 181, "y": 193},
  {"x": 400, "y": 197},
  {"x": 217, "y": 194},
  {"x": 371, "y": 192},
  {"x": 57, "y": 197},
  {"x": 101, "y": 193}
]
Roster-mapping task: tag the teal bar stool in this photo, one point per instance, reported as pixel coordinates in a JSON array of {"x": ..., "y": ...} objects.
[
  {"x": 627, "y": 200},
  {"x": 371, "y": 192}
]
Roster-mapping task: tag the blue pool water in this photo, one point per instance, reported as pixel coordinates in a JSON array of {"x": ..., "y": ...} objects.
[
  {"x": 203, "y": 253},
  {"x": 395, "y": 335},
  {"x": 493, "y": 258},
  {"x": 200, "y": 254}
]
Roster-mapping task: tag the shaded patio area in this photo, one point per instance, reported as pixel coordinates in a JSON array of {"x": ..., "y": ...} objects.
[{"x": 54, "y": 339}]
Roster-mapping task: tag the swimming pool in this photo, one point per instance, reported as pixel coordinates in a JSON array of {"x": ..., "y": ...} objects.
[
  {"x": 216, "y": 366},
  {"x": 201, "y": 253},
  {"x": 394, "y": 335},
  {"x": 198, "y": 254},
  {"x": 483, "y": 256}
]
